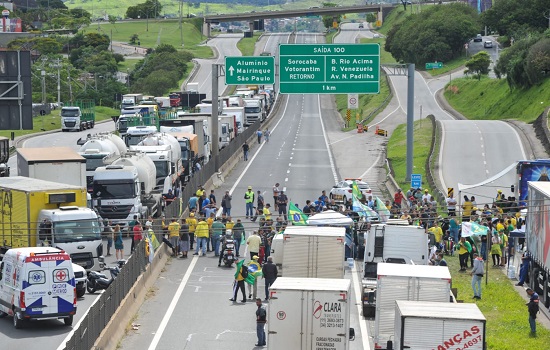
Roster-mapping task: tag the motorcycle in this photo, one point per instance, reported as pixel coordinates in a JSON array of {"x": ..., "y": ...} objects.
[
  {"x": 99, "y": 281},
  {"x": 229, "y": 253}
]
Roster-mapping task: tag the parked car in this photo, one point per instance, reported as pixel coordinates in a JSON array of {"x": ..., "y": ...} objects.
[
  {"x": 478, "y": 38},
  {"x": 342, "y": 191}
]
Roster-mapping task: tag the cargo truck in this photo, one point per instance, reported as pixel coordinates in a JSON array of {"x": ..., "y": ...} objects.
[
  {"x": 99, "y": 150},
  {"x": 537, "y": 235},
  {"x": 4, "y": 156},
  {"x": 132, "y": 98},
  {"x": 398, "y": 244},
  {"x": 189, "y": 148},
  {"x": 406, "y": 282},
  {"x": 57, "y": 164},
  {"x": 421, "y": 325},
  {"x": 309, "y": 313},
  {"x": 200, "y": 127},
  {"x": 126, "y": 188},
  {"x": 253, "y": 111},
  {"x": 43, "y": 213},
  {"x": 238, "y": 113},
  {"x": 310, "y": 252},
  {"x": 530, "y": 170},
  {"x": 78, "y": 116}
]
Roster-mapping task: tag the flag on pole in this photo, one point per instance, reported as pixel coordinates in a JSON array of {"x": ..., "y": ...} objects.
[
  {"x": 296, "y": 216},
  {"x": 471, "y": 228},
  {"x": 361, "y": 209},
  {"x": 383, "y": 212},
  {"x": 355, "y": 190}
]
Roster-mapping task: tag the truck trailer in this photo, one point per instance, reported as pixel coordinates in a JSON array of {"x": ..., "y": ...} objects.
[
  {"x": 538, "y": 238},
  {"x": 309, "y": 313},
  {"x": 311, "y": 252},
  {"x": 406, "y": 282},
  {"x": 78, "y": 116},
  {"x": 57, "y": 164},
  {"x": 43, "y": 213},
  {"x": 421, "y": 325}
]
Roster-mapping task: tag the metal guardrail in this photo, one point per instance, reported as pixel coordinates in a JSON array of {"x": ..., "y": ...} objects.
[{"x": 102, "y": 310}]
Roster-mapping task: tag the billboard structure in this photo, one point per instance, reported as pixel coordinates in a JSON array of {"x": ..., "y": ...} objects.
[{"x": 15, "y": 90}]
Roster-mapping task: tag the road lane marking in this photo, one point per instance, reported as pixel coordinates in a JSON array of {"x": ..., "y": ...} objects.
[
  {"x": 173, "y": 303},
  {"x": 359, "y": 303}
]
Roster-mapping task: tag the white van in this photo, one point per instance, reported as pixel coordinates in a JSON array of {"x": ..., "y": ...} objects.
[{"x": 37, "y": 283}]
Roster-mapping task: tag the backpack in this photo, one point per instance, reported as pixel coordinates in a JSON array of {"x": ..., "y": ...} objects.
[{"x": 244, "y": 271}]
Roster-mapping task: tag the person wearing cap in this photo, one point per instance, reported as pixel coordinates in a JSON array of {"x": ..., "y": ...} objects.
[
  {"x": 477, "y": 274},
  {"x": 173, "y": 235},
  {"x": 425, "y": 196},
  {"x": 192, "y": 223},
  {"x": 201, "y": 234},
  {"x": 255, "y": 269},
  {"x": 253, "y": 242},
  {"x": 533, "y": 309},
  {"x": 249, "y": 201}
]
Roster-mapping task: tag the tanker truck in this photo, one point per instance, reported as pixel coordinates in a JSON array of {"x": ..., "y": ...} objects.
[
  {"x": 126, "y": 188},
  {"x": 164, "y": 150},
  {"x": 99, "y": 150}
]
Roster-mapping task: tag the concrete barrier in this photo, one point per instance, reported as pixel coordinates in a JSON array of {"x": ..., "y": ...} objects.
[{"x": 116, "y": 328}]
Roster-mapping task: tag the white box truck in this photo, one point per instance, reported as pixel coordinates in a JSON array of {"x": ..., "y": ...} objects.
[
  {"x": 406, "y": 282},
  {"x": 421, "y": 325},
  {"x": 56, "y": 164},
  {"x": 313, "y": 252},
  {"x": 309, "y": 313}
]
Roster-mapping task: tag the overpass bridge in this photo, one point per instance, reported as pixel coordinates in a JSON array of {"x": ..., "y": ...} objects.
[{"x": 381, "y": 9}]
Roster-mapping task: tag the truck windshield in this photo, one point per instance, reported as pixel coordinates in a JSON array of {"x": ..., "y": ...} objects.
[
  {"x": 69, "y": 113},
  {"x": 132, "y": 140},
  {"x": 163, "y": 168},
  {"x": 94, "y": 162},
  {"x": 183, "y": 147},
  {"x": 252, "y": 109},
  {"x": 76, "y": 231},
  {"x": 111, "y": 190}
]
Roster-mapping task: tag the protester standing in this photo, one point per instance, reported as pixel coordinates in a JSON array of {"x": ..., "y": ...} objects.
[
  {"x": 477, "y": 274},
  {"x": 138, "y": 236},
  {"x": 239, "y": 282},
  {"x": 238, "y": 235},
  {"x": 270, "y": 271},
  {"x": 184, "y": 239},
  {"x": 253, "y": 243},
  {"x": 226, "y": 203},
  {"x": 261, "y": 319},
  {"x": 173, "y": 234},
  {"x": 249, "y": 201},
  {"x": 119, "y": 244},
  {"x": 533, "y": 309},
  {"x": 245, "y": 151}
]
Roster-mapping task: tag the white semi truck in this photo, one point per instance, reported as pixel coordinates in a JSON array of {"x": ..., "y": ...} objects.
[
  {"x": 421, "y": 325},
  {"x": 253, "y": 110},
  {"x": 98, "y": 150},
  {"x": 126, "y": 188},
  {"x": 406, "y": 282},
  {"x": 309, "y": 313}
]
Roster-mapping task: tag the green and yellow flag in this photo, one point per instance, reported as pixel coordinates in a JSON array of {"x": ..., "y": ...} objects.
[
  {"x": 296, "y": 216},
  {"x": 355, "y": 190}
]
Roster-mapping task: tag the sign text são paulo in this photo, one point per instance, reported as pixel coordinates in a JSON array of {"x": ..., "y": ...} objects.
[{"x": 329, "y": 68}]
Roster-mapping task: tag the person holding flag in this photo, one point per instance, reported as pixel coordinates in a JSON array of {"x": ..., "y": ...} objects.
[
  {"x": 254, "y": 271},
  {"x": 383, "y": 212},
  {"x": 355, "y": 191},
  {"x": 240, "y": 274},
  {"x": 296, "y": 216}
]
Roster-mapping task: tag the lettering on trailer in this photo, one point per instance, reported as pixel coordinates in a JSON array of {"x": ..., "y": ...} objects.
[
  {"x": 328, "y": 314},
  {"x": 326, "y": 343},
  {"x": 38, "y": 258},
  {"x": 6, "y": 203},
  {"x": 462, "y": 341}
]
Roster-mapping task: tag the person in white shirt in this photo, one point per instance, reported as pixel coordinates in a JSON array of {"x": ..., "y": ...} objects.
[{"x": 451, "y": 205}]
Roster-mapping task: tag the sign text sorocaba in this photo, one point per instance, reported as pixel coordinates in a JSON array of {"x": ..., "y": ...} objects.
[
  {"x": 329, "y": 68},
  {"x": 249, "y": 70}
]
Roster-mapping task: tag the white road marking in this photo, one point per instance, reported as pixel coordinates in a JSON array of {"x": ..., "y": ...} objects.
[
  {"x": 372, "y": 166},
  {"x": 359, "y": 303},
  {"x": 172, "y": 306}
]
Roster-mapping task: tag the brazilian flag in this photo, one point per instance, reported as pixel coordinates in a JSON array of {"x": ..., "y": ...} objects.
[
  {"x": 296, "y": 216},
  {"x": 356, "y": 191}
]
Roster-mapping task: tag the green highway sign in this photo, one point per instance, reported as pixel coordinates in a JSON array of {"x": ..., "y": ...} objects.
[
  {"x": 434, "y": 65},
  {"x": 249, "y": 70},
  {"x": 329, "y": 68}
]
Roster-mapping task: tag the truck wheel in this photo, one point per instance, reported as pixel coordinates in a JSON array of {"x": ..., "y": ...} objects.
[
  {"x": 17, "y": 322},
  {"x": 80, "y": 292},
  {"x": 93, "y": 124},
  {"x": 68, "y": 321}
]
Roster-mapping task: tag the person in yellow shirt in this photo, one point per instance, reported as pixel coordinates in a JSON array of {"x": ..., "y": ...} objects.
[
  {"x": 173, "y": 234},
  {"x": 200, "y": 191},
  {"x": 267, "y": 212},
  {"x": 210, "y": 221},
  {"x": 239, "y": 281},
  {"x": 229, "y": 224},
  {"x": 438, "y": 234},
  {"x": 467, "y": 207},
  {"x": 202, "y": 232},
  {"x": 192, "y": 223}
]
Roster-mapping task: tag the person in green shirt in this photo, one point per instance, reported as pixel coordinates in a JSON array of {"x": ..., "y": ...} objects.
[
  {"x": 218, "y": 229},
  {"x": 464, "y": 249}
]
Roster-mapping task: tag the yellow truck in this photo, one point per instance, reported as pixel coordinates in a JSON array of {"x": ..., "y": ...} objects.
[{"x": 37, "y": 213}]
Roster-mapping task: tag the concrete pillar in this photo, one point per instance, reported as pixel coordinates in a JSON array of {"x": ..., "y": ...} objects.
[
  {"x": 206, "y": 29},
  {"x": 251, "y": 26}
]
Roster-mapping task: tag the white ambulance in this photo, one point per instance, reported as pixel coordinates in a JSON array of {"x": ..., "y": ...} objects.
[{"x": 37, "y": 283}]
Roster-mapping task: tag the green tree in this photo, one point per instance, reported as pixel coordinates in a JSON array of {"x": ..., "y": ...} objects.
[
  {"x": 512, "y": 17},
  {"x": 479, "y": 64},
  {"x": 537, "y": 63},
  {"x": 512, "y": 62},
  {"x": 329, "y": 20}
]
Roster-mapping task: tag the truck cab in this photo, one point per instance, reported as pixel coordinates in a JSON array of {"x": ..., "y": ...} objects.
[
  {"x": 135, "y": 134},
  {"x": 253, "y": 111}
]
